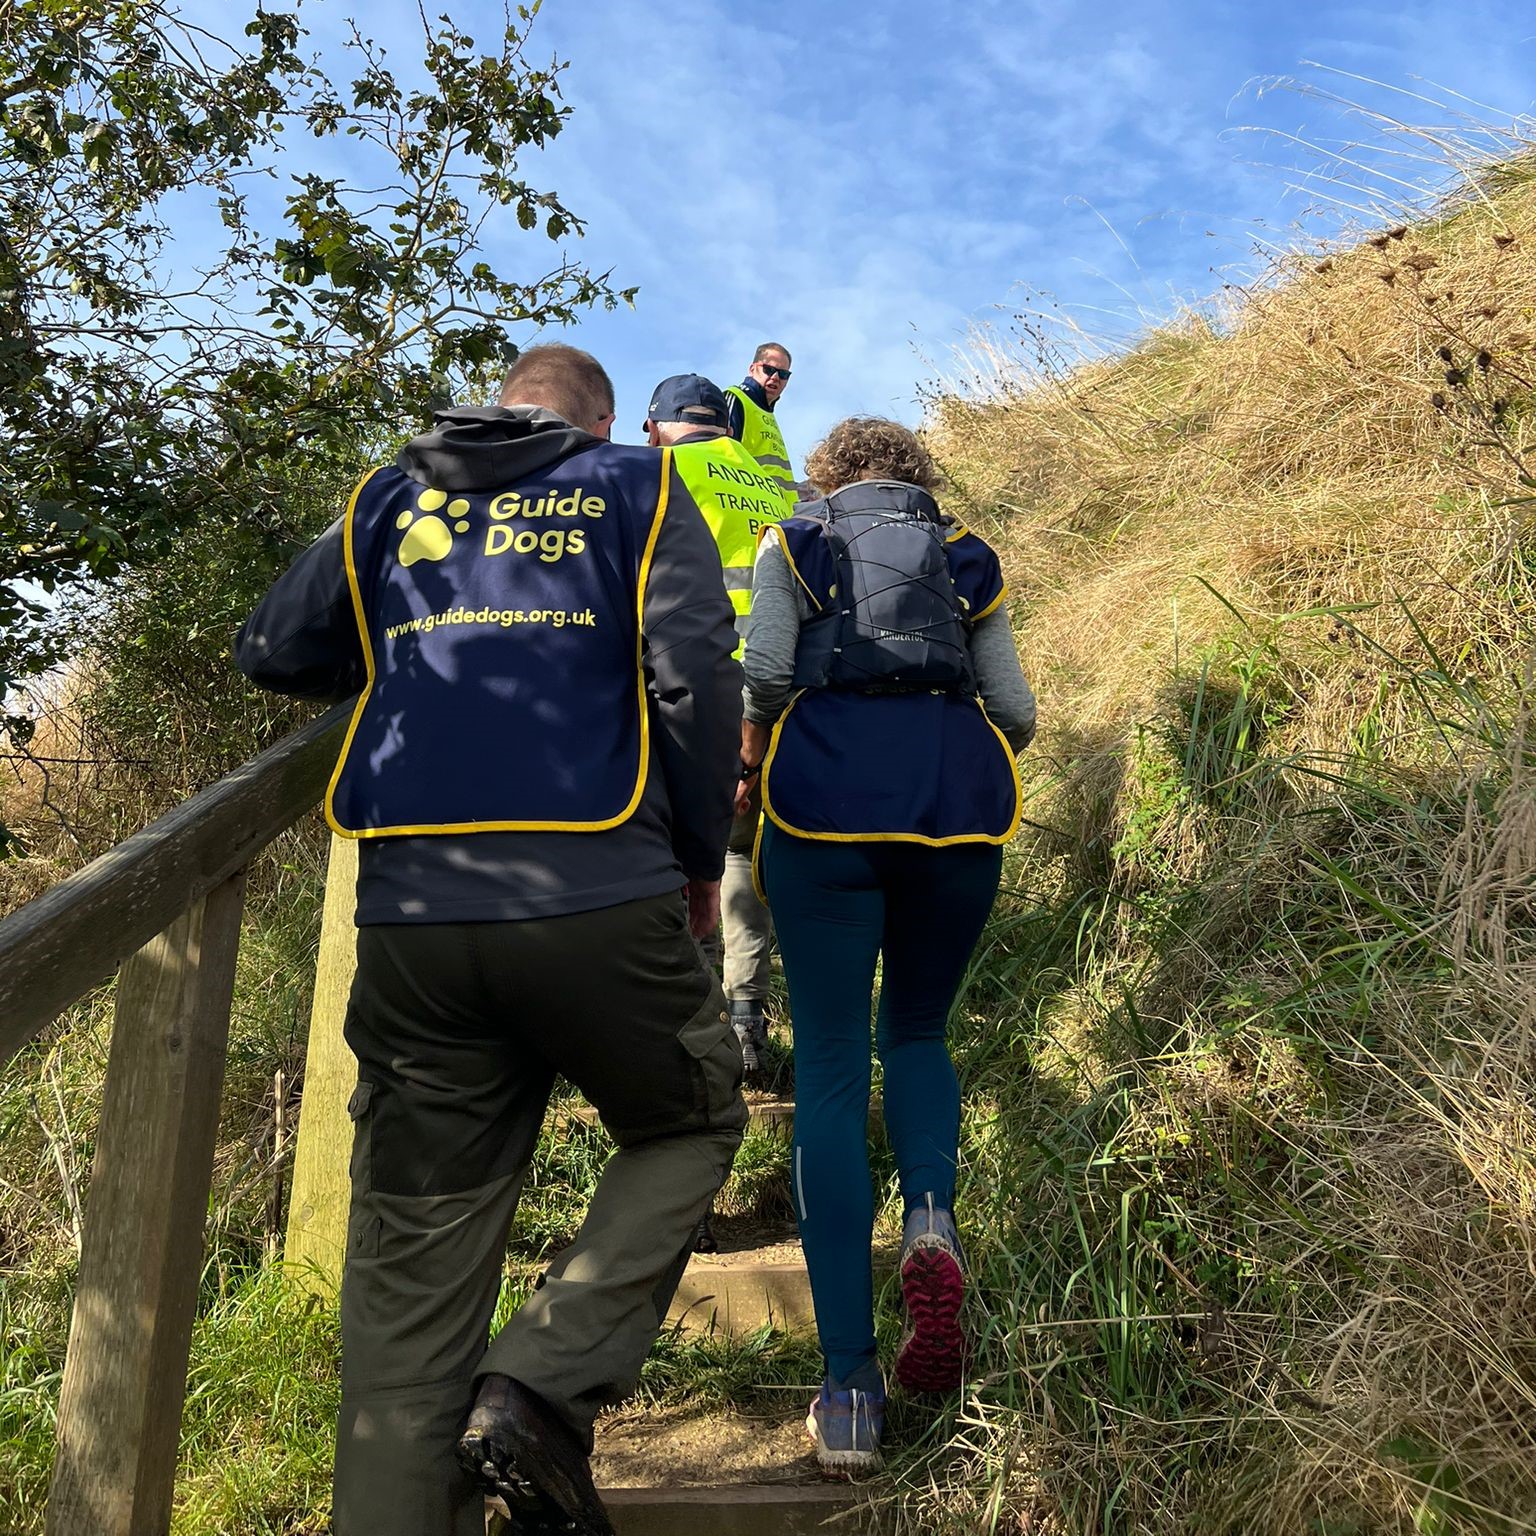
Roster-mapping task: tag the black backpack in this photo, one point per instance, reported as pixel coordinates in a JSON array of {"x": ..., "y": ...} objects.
[{"x": 894, "y": 622}]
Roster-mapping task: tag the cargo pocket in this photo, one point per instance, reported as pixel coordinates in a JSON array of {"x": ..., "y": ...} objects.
[
  {"x": 364, "y": 1224},
  {"x": 716, "y": 1059}
]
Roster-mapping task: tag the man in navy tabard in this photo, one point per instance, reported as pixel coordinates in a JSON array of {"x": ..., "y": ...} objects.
[{"x": 540, "y": 764}]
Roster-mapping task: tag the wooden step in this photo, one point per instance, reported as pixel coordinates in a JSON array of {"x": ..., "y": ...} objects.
[
  {"x": 722, "y": 1472},
  {"x": 753, "y": 1284},
  {"x": 743, "y": 1510},
  {"x": 739, "y": 1293},
  {"x": 776, "y": 1117}
]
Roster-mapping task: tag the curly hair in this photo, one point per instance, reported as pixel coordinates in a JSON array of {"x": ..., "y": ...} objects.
[{"x": 870, "y": 448}]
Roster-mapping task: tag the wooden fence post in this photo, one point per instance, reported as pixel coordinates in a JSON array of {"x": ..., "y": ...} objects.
[
  {"x": 126, "y": 1372},
  {"x": 317, "y": 1210}
]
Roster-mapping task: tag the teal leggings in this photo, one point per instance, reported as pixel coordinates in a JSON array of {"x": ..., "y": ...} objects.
[{"x": 837, "y": 908}]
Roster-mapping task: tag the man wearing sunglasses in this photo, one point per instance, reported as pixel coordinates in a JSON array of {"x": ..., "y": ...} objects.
[{"x": 751, "y": 406}]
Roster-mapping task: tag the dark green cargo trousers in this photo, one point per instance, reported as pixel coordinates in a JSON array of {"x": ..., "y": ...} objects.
[{"x": 459, "y": 1031}]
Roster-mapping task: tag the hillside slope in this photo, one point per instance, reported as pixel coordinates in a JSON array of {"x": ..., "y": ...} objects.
[
  {"x": 1247, "y": 1181},
  {"x": 1251, "y": 1043}
]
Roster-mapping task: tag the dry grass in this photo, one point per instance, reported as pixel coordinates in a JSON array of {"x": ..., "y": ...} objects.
[
  {"x": 1292, "y": 455},
  {"x": 62, "y": 797},
  {"x": 1249, "y": 1165},
  {"x": 1265, "y": 1207}
]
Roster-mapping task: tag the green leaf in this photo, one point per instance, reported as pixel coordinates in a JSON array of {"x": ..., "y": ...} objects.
[{"x": 120, "y": 457}]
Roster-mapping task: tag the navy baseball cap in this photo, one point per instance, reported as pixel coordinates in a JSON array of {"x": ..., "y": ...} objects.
[{"x": 689, "y": 397}]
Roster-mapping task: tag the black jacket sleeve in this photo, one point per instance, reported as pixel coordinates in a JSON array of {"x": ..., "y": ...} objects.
[
  {"x": 302, "y": 639},
  {"x": 689, "y": 633}
]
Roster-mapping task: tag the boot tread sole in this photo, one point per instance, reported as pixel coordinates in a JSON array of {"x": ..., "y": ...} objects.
[{"x": 934, "y": 1350}]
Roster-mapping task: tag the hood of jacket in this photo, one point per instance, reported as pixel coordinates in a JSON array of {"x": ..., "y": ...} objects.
[{"x": 484, "y": 447}]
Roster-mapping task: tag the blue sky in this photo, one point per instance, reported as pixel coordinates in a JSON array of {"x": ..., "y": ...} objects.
[{"x": 865, "y": 182}]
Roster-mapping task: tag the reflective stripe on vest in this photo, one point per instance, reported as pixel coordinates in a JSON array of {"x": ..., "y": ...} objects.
[
  {"x": 738, "y": 499},
  {"x": 500, "y": 631},
  {"x": 761, "y": 437}
]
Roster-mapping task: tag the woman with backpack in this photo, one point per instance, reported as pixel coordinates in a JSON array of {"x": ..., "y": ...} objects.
[{"x": 884, "y": 705}]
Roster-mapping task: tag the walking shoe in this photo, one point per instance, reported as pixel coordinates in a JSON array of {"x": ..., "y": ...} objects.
[
  {"x": 752, "y": 1031},
  {"x": 704, "y": 1239},
  {"x": 933, "y": 1351},
  {"x": 518, "y": 1451},
  {"x": 846, "y": 1424}
]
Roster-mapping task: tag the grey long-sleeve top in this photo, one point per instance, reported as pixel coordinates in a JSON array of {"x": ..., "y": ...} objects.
[{"x": 780, "y": 607}]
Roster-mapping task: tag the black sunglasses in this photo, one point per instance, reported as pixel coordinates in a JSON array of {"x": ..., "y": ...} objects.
[{"x": 774, "y": 373}]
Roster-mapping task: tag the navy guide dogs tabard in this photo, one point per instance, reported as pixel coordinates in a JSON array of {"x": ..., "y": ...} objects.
[
  {"x": 920, "y": 766},
  {"x": 501, "y": 633}
]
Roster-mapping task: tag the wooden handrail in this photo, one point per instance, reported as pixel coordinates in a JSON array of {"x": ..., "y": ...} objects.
[
  {"x": 166, "y": 906},
  {"x": 125, "y": 1373},
  {"x": 75, "y": 935}
]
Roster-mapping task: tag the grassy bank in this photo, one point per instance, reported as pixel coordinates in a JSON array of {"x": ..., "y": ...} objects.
[
  {"x": 1249, "y": 1046},
  {"x": 1248, "y": 1184}
]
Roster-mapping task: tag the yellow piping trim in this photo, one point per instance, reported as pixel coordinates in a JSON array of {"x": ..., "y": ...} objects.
[
  {"x": 448, "y": 828},
  {"x": 757, "y": 863},
  {"x": 889, "y": 837},
  {"x": 784, "y": 545},
  {"x": 362, "y": 631},
  {"x": 991, "y": 607}
]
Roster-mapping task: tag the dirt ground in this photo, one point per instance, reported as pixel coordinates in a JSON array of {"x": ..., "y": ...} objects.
[
  {"x": 682, "y": 1448},
  {"x": 751, "y": 1240}
]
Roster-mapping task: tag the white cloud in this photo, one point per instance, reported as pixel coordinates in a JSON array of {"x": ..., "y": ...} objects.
[{"x": 861, "y": 180}]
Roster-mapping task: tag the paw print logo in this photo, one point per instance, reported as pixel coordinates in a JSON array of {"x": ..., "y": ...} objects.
[{"x": 429, "y": 537}]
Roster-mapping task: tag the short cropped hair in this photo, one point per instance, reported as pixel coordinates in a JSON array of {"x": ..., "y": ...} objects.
[
  {"x": 670, "y": 431},
  {"x": 770, "y": 346},
  {"x": 562, "y": 379},
  {"x": 870, "y": 448}
]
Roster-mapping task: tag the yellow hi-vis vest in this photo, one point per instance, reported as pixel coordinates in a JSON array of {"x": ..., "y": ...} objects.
[
  {"x": 761, "y": 437},
  {"x": 739, "y": 499}
]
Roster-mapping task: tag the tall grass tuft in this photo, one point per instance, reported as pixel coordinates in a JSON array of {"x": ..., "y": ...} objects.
[
  {"x": 1248, "y": 1170},
  {"x": 1250, "y": 1165}
]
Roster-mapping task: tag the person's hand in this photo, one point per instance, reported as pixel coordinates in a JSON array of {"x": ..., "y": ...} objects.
[
  {"x": 744, "y": 796},
  {"x": 754, "y": 748},
  {"x": 703, "y": 907}
]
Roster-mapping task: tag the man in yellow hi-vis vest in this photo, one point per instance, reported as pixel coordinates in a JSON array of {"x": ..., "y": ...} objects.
[
  {"x": 739, "y": 496},
  {"x": 752, "y": 420},
  {"x": 736, "y": 495}
]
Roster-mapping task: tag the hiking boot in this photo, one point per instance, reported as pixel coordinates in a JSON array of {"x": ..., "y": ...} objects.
[
  {"x": 933, "y": 1352},
  {"x": 752, "y": 1031},
  {"x": 846, "y": 1423},
  {"x": 520, "y": 1452},
  {"x": 704, "y": 1239}
]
